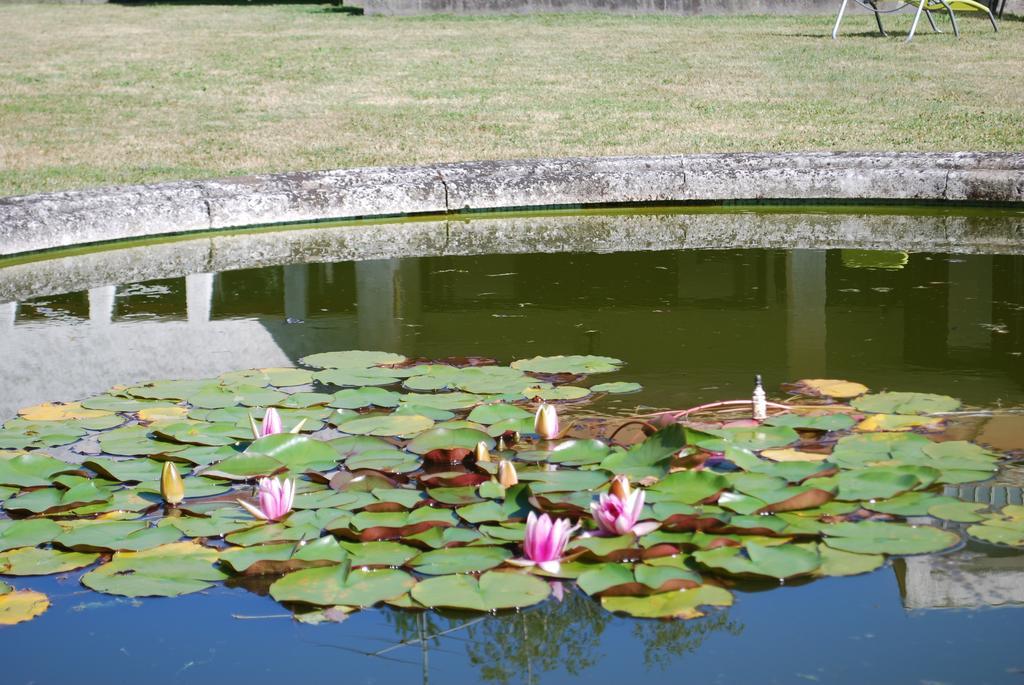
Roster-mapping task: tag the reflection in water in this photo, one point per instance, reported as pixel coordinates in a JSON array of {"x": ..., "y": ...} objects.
[
  {"x": 557, "y": 636},
  {"x": 694, "y": 325}
]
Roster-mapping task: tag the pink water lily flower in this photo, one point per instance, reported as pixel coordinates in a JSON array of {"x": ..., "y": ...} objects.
[
  {"x": 271, "y": 423},
  {"x": 545, "y": 541},
  {"x": 617, "y": 512},
  {"x": 275, "y": 498}
]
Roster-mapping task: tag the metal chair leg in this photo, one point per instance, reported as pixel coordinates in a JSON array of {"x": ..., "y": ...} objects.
[
  {"x": 952, "y": 18},
  {"x": 878, "y": 18},
  {"x": 991, "y": 18},
  {"x": 931, "y": 20},
  {"x": 839, "y": 19},
  {"x": 917, "y": 18}
]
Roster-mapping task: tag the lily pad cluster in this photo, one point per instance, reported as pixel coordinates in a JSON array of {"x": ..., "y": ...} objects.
[{"x": 400, "y": 499}]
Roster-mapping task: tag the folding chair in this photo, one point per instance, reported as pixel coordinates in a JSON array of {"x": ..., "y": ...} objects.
[{"x": 923, "y": 6}]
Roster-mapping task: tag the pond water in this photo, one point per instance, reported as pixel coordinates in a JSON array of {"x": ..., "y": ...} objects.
[{"x": 694, "y": 325}]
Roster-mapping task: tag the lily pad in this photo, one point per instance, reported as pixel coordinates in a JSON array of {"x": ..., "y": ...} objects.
[
  {"x": 459, "y": 560},
  {"x": 21, "y": 605},
  {"x": 906, "y": 403},
  {"x": 683, "y": 604},
  {"x": 335, "y": 585},
  {"x": 568, "y": 364},
  {"x": 831, "y": 387},
  {"x": 351, "y": 359},
  {"x": 617, "y": 388},
  {"x": 166, "y": 571},
  {"x": 27, "y": 532},
  {"x": 779, "y": 561},
  {"x": 387, "y": 425},
  {"x": 358, "y": 398},
  {"x": 493, "y": 413},
  {"x": 32, "y": 561},
  {"x": 876, "y": 537},
  {"x": 826, "y": 422},
  {"x": 494, "y": 590},
  {"x": 99, "y": 536}
]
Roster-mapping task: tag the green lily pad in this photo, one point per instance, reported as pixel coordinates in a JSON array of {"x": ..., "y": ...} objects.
[
  {"x": 880, "y": 483},
  {"x": 649, "y": 457},
  {"x": 297, "y": 452},
  {"x": 559, "y": 394},
  {"x": 569, "y": 452},
  {"x": 688, "y": 487},
  {"x": 568, "y": 364},
  {"x": 278, "y": 377},
  {"x": 244, "y": 467},
  {"x": 358, "y": 398},
  {"x": 905, "y": 403},
  {"x": 126, "y": 470},
  {"x": 351, "y": 359},
  {"x": 459, "y": 560},
  {"x": 304, "y": 400},
  {"x": 332, "y": 585},
  {"x": 494, "y": 413},
  {"x": 961, "y": 512},
  {"x": 618, "y": 388},
  {"x": 32, "y": 561},
  {"x": 382, "y": 553},
  {"x": 449, "y": 439},
  {"x": 827, "y": 422},
  {"x": 876, "y": 537},
  {"x": 386, "y": 425},
  {"x": 836, "y": 562},
  {"x": 447, "y": 400},
  {"x": 494, "y": 590},
  {"x": 27, "y": 532},
  {"x": 355, "y": 378},
  {"x": 542, "y": 482},
  {"x": 34, "y": 469},
  {"x": 779, "y": 561},
  {"x": 388, "y": 461},
  {"x": 167, "y": 571},
  {"x": 264, "y": 559},
  {"x": 759, "y": 438},
  {"x": 101, "y": 536},
  {"x": 910, "y": 504},
  {"x": 52, "y": 500},
  {"x": 134, "y": 441}
]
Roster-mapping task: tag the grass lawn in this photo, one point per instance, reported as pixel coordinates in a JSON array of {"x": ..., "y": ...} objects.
[{"x": 103, "y": 94}]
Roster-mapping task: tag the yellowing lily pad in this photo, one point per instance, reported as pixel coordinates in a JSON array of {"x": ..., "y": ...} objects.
[
  {"x": 21, "y": 605},
  {"x": 790, "y": 454},
  {"x": 57, "y": 411},
  {"x": 896, "y": 422},
  {"x": 831, "y": 387},
  {"x": 683, "y": 604}
]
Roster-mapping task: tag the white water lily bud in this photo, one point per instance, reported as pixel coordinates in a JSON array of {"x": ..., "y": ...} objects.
[
  {"x": 507, "y": 475},
  {"x": 172, "y": 488},
  {"x": 481, "y": 452}
]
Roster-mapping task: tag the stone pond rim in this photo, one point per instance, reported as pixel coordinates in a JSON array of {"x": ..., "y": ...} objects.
[{"x": 46, "y": 221}]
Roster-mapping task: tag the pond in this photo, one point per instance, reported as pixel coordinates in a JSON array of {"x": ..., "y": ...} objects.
[{"x": 785, "y": 294}]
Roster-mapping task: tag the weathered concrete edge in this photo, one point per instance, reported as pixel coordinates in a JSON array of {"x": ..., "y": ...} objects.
[{"x": 53, "y": 220}]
